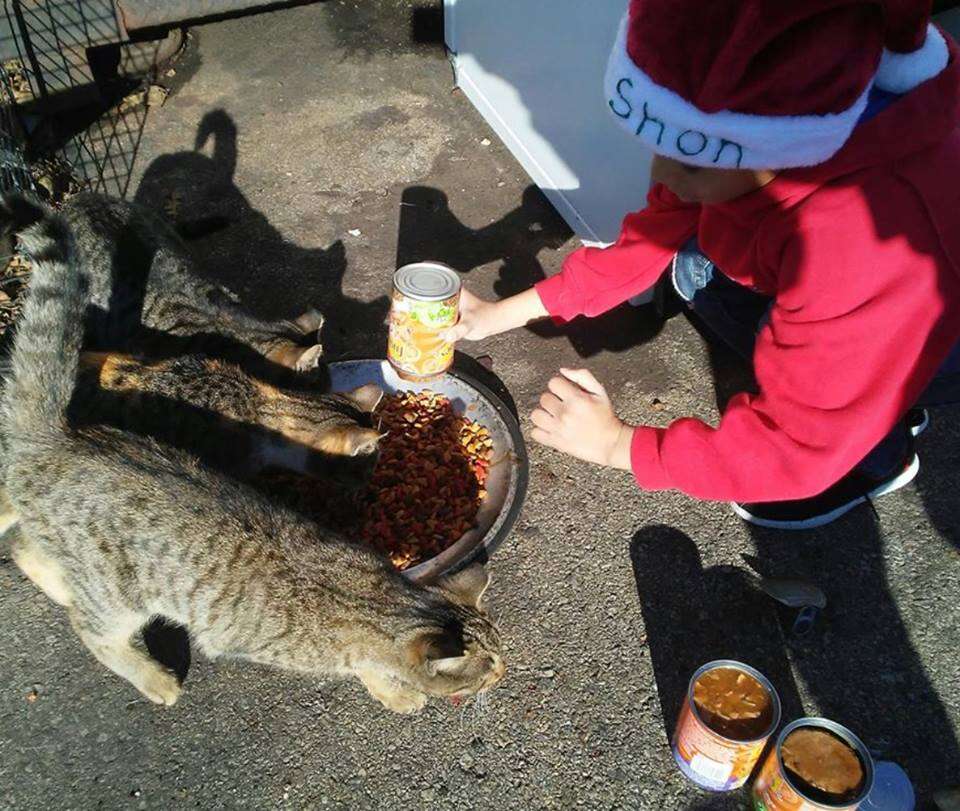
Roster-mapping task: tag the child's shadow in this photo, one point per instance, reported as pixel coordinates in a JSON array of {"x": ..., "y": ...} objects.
[
  {"x": 858, "y": 665},
  {"x": 429, "y": 230},
  {"x": 693, "y": 616},
  {"x": 237, "y": 246}
]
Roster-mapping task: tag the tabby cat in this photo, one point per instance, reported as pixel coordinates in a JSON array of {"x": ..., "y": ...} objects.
[
  {"x": 119, "y": 529},
  {"x": 144, "y": 293},
  {"x": 228, "y": 418}
]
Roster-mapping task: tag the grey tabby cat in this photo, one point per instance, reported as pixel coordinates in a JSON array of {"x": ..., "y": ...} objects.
[
  {"x": 229, "y": 418},
  {"x": 146, "y": 296},
  {"x": 146, "y": 293},
  {"x": 120, "y": 529}
]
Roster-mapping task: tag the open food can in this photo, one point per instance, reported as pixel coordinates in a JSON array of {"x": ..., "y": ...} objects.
[
  {"x": 729, "y": 714},
  {"x": 815, "y": 765},
  {"x": 425, "y": 302}
]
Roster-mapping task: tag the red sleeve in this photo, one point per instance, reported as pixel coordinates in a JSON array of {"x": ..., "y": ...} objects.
[
  {"x": 594, "y": 280},
  {"x": 859, "y": 328}
]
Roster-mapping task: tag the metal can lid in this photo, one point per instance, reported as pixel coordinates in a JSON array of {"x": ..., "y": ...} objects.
[{"x": 427, "y": 281}]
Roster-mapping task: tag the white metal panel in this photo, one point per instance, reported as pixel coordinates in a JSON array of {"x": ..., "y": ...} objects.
[{"x": 534, "y": 69}]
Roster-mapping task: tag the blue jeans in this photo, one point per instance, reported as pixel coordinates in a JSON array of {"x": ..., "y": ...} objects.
[{"x": 735, "y": 314}]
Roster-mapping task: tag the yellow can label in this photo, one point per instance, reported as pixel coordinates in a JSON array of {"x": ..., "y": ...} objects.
[{"x": 414, "y": 345}]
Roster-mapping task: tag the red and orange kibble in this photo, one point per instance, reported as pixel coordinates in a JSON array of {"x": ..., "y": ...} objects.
[{"x": 426, "y": 489}]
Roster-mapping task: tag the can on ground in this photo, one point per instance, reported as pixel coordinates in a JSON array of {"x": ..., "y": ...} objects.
[
  {"x": 425, "y": 302},
  {"x": 706, "y": 757},
  {"x": 773, "y": 790}
]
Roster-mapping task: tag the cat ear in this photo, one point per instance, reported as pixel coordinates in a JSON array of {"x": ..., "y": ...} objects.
[
  {"x": 366, "y": 398},
  {"x": 467, "y": 587},
  {"x": 431, "y": 647}
]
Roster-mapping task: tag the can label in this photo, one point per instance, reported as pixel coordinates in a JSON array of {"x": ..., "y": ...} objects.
[
  {"x": 772, "y": 792},
  {"x": 710, "y": 761},
  {"x": 414, "y": 345}
]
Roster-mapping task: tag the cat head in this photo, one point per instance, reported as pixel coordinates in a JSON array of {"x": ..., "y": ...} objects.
[
  {"x": 461, "y": 654},
  {"x": 338, "y": 430}
]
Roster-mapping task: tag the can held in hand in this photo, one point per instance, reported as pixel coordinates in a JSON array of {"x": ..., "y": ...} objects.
[
  {"x": 426, "y": 301},
  {"x": 779, "y": 788},
  {"x": 729, "y": 714}
]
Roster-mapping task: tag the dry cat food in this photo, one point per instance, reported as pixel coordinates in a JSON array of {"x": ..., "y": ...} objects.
[{"x": 426, "y": 489}]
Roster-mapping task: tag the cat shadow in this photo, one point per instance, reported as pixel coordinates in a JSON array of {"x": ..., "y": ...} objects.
[
  {"x": 694, "y": 615},
  {"x": 429, "y": 230},
  {"x": 235, "y": 245}
]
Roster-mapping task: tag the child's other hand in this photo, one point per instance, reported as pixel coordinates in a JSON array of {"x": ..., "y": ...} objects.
[
  {"x": 575, "y": 416},
  {"x": 476, "y": 319}
]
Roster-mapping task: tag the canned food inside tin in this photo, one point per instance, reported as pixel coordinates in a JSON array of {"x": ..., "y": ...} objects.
[
  {"x": 425, "y": 303},
  {"x": 728, "y": 716},
  {"x": 733, "y": 703},
  {"x": 823, "y": 766}
]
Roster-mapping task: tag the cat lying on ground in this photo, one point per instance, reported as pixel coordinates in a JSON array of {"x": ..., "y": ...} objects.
[
  {"x": 120, "y": 529},
  {"x": 145, "y": 295}
]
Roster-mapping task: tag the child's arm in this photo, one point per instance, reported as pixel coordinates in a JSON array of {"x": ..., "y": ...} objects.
[{"x": 593, "y": 280}]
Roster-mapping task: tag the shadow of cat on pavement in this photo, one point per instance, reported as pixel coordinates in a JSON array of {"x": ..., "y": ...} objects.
[{"x": 236, "y": 245}]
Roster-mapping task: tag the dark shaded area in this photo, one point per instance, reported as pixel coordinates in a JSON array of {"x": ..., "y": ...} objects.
[
  {"x": 430, "y": 230},
  {"x": 858, "y": 665},
  {"x": 426, "y": 25},
  {"x": 169, "y": 644},
  {"x": 363, "y": 29},
  {"x": 718, "y": 614},
  {"x": 241, "y": 247}
]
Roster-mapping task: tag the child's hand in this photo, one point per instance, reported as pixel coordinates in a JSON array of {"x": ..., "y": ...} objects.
[
  {"x": 480, "y": 319},
  {"x": 575, "y": 416},
  {"x": 476, "y": 319}
]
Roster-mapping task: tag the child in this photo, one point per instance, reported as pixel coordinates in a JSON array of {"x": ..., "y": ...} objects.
[{"x": 806, "y": 210}]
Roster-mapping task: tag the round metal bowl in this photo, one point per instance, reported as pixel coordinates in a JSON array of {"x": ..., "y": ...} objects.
[{"x": 507, "y": 483}]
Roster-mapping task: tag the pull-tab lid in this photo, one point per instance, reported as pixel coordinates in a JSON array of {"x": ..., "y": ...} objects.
[{"x": 427, "y": 281}]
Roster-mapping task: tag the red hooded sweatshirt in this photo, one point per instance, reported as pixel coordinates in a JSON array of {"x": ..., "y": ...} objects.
[{"x": 862, "y": 255}]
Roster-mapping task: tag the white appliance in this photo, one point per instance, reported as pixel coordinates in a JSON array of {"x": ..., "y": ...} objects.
[{"x": 534, "y": 69}]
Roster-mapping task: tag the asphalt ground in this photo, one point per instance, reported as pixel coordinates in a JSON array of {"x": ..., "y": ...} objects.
[{"x": 333, "y": 147}]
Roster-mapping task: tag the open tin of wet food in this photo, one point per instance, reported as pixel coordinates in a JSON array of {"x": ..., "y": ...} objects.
[
  {"x": 729, "y": 714},
  {"x": 816, "y": 764}
]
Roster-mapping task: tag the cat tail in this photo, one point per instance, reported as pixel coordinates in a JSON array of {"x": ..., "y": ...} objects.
[{"x": 48, "y": 336}]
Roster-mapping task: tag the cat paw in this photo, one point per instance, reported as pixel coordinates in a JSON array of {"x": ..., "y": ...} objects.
[
  {"x": 161, "y": 686},
  {"x": 309, "y": 358},
  {"x": 310, "y": 323},
  {"x": 405, "y": 702}
]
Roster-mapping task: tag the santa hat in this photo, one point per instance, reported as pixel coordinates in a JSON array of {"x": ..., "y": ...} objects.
[{"x": 763, "y": 84}]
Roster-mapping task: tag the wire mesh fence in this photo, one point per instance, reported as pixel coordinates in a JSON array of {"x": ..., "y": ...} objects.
[{"x": 77, "y": 99}]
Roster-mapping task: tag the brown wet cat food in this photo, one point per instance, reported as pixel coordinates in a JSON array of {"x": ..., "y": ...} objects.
[
  {"x": 820, "y": 763},
  {"x": 733, "y": 703}
]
